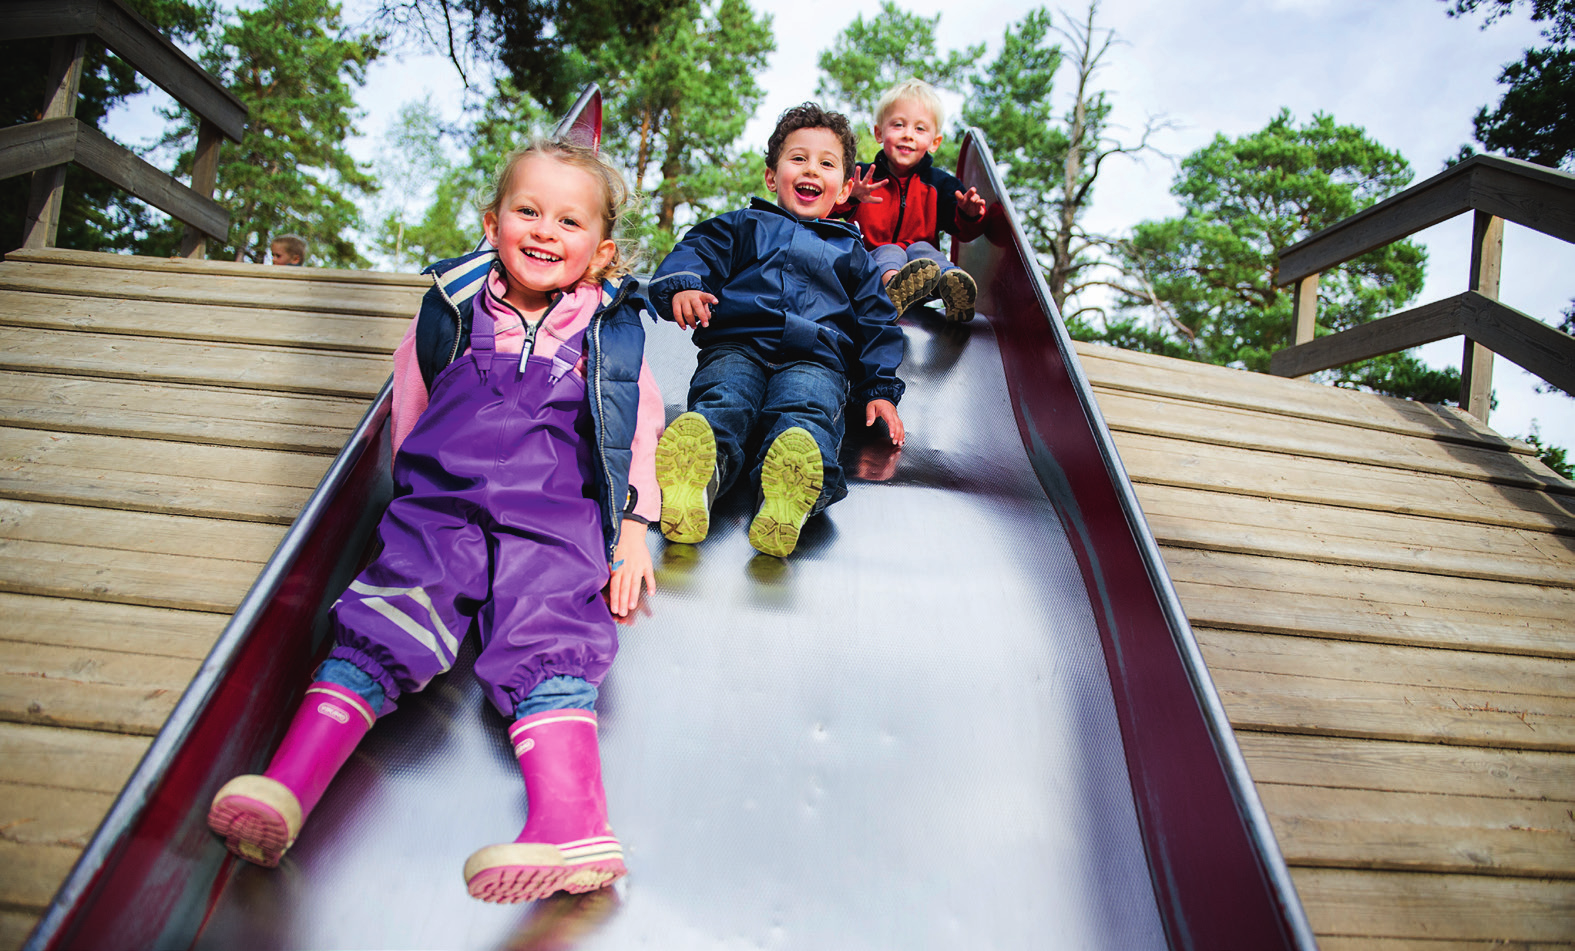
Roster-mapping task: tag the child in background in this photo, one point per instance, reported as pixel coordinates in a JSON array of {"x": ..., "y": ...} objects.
[
  {"x": 514, "y": 493},
  {"x": 287, "y": 249},
  {"x": 902, "y": 203},
  {"x": 787, "y": 310}
]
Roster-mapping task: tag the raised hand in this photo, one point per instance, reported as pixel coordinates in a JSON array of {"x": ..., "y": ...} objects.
[
  {"x": 865, "y": 187},
  {"x": 972, "y": 204}
]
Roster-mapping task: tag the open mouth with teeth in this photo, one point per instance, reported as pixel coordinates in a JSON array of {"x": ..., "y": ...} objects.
[
  {"x": 807, "y": 191},
  {"x": 542, "y": 256}
]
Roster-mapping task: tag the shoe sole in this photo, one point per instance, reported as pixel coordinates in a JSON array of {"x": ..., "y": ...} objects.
[
  {"x": 912, "y": 283},
  {"x": 685, "y": 462},
  {"x": 528, "y": 871},
  {"x": 958, "y": 292},
  {"x": 790, "y": 482},
  {"x": 257, "y": 817}
]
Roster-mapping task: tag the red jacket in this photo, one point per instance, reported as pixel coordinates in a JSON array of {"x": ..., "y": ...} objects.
[{"x": 916, "y": 208}]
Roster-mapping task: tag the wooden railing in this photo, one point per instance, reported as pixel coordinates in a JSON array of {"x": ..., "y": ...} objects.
[
  {"x": 1497, "y": 190},
  {"x": 58, "y": 139}
]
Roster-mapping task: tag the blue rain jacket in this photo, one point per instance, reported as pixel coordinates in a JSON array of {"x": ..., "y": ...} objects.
[{"x": 793, "y": 289}]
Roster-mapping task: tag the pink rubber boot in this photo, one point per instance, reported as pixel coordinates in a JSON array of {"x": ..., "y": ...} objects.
[
  {"x": 260, "y": 816},
  {"x": 566, "y": 844}
]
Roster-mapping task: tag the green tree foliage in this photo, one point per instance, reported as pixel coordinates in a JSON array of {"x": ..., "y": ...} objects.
[
  {"x": 1053, "y": 157},
  {"x": 870, "y": 56},
  {"x": 451, "y": 223},
  {"x": 411, "y": 162},
  {"x": 676, "y": 107},
  {"x": 1533, "y": 121},
  {"x": 542, "y": 44},
  {"x": 96, "y": 216},
  {"x": 1212, "y": 269},
  {"x": 295, "y": 67}
]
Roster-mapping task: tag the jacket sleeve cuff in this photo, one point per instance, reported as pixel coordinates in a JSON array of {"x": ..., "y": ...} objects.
[
  {"x": 660, "y": 292},
  {"x": 884, "y": 390}
]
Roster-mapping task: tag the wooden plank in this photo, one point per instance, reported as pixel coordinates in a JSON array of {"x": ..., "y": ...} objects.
[
  {"x": 1360, "y": 828},
  {"x": 35, "y": 146},
  {"x": 101, "y": 155},
  {"x": 156, "y": 476},
  {"x": 1364, "y": 943},
  {"x": 236, "y": 325},
  {"x": 1162, "y": 461},
  {"x": 15, "y": 926},
  {"x": 1411, "y": 904},
  {"x": 68, "y": 759},
  {"x": 139, "y": 43},
  {"x": 295, "y": 422},
  {"x": 1333, "y": 535},
  {"x": 35, "y": 815},
  {"x": 170, "y": 561},
  {"x": 416, "y": 282},
  {"x": 1321, "y": 706},
  {"x": 31, "y": 874},
  {"x": 95, "y": 625},
  {"x": 242, "y": 542},
  {"x": 158, "y": 580},
  {"x": 1246, "y": 429},
  {"x": 1128, "y": 371},
  {"x": 90, "y": 689},
  {"x": 326, "y": 296},
  {"x": 1387, "y": 664},
  {"x": 1284, "y": 596},
  {"x": 1407, "y": 767},
  {"x": 1520, "y": 338},
  {"x": 212, "y": 364}
]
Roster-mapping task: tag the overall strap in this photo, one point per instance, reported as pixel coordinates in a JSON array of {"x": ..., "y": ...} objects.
[{"x": 567, "y": 355}]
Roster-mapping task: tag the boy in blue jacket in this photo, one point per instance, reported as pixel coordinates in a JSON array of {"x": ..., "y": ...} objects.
[{"x": 792, "y": 322}]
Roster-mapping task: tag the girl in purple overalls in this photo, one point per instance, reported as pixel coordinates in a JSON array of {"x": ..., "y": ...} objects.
[{"x": 525, "y": 423}]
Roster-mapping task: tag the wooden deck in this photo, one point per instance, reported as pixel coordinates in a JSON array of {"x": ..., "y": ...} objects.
[
  {"x": 161, "y": 423},
  {"x": 1385, "y": 595}
]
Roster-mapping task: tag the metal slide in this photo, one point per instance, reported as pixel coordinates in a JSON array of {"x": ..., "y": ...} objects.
[{"x": 966, "y": 713}]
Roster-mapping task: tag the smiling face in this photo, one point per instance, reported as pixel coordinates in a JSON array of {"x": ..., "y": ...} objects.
[
  {"x": 547, "y": 230},
  {"x": 907, "y": 133},
  {"x": 809, "y": 178}
]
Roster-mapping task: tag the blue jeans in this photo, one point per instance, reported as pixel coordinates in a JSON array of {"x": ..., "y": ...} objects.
[
  {"x": 891, "y": 257},
  {"x": 554, "y": 693},
  {"x": 750, "y": 402}
]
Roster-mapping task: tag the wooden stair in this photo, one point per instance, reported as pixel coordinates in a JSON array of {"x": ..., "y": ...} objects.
[
  {"x": 1384, "y": 592},
  {"x": 161, "y": 424}
]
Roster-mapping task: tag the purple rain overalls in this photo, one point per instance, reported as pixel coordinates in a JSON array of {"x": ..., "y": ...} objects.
[{"x": 494, "y": 518}]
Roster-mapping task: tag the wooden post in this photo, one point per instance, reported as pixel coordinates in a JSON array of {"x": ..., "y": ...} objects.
[
  {"x": 49, "y": 184},
  {"x": 204, "y": 175},
  {"x": 1476, "y": 365},
  {"x": 1304, "y": 311}
]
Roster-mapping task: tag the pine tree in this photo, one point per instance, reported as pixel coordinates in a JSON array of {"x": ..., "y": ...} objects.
[{"x": 295, "y": 67}]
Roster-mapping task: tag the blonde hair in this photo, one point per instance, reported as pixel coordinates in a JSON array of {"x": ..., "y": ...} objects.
[
  {"x": 615, "y": 195},
  {"x": 918, "y": 91}
]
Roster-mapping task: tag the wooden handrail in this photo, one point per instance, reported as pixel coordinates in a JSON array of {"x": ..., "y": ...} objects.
[
  {"x": 1497, "y": 190},
  {"x": 47, "y": 146}
]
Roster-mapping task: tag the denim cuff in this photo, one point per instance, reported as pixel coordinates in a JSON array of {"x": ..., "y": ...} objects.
[
  {"x": 367, "y": 667},
  {"x": 558, "y": 693}
]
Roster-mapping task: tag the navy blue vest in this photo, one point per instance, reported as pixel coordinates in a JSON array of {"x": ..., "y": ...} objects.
[{"x": 614, "y": 347}]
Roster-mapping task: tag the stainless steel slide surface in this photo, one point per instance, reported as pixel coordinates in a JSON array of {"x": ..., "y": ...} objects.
[{"x": 901, "y": 736}]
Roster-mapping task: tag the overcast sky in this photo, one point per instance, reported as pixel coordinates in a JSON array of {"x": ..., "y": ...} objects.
[{"x": 1411, "y": 76}]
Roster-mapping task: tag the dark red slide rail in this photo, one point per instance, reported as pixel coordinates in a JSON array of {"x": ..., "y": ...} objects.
[{"x": 1219, "y": 879}]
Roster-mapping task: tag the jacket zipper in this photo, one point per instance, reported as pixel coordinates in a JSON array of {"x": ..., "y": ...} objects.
[{"x": 601, "y": 418}]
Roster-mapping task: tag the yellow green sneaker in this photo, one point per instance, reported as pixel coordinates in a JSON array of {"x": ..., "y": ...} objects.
[
  {"x": 686, "y": 473},
  {"x": 790, "y": 483}
]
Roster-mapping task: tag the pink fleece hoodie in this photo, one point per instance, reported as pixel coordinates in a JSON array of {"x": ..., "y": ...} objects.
[{"x": 569, "y": 317}]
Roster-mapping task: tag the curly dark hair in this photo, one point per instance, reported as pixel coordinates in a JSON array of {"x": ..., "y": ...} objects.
[{"x": 811, "y": 116}]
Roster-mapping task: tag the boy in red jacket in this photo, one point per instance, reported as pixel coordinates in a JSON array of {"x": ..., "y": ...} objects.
[{"x": 902, "y": 203}]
